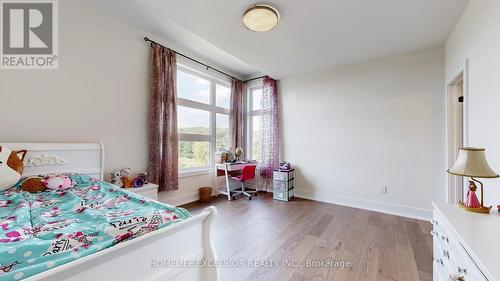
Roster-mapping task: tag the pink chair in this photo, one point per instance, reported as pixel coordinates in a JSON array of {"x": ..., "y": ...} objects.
[{"x": 247, "y": 173}]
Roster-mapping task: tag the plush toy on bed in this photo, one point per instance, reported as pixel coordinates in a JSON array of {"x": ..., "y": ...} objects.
[
  {"x": 33, "y": 184},
  {"x": 11, "y": 167},
  {"x": 58, "y": 182}
]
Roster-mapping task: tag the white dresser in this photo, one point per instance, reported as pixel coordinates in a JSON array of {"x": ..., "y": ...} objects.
[{"x": 466, "y": 245}]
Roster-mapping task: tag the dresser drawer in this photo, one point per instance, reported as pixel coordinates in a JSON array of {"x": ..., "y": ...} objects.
[
  {"x": 440, "y": 234},
  {"x": 441, "y": 265},
  {"x": 462, "y": 265},
  {"x": 450, "y": 257}
]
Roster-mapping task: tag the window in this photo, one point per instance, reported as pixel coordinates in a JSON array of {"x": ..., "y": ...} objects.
[
  {"x": 193, "y": 121},
  {"x": 222, "y": 131},
  {"x": 194, "y": 154},
  {"x": 254, "y": 112},
  {"x": 256, "y": 137},
  {"x": 202, "y": 118},
  {"x": 256, "y": 99},
  {"x": 223, "y": 96},
  {"x": 194, "y": 87}
]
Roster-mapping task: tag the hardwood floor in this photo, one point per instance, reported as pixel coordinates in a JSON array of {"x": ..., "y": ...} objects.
[{"x": 306, "y": 240}]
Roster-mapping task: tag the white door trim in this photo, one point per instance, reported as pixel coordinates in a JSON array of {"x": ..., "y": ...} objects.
[{"x": 454, "y": 192}]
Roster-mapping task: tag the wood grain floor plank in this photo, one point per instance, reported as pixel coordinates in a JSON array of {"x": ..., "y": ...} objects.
[
  {"x": 420, "y": 246},
  {"x": 297, "y": 277},
  {"x": 318, "y": 229},
  {"x": 376, "y": 246}
]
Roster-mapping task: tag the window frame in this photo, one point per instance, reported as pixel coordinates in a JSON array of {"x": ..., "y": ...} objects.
[
  {"x": 213, "y": 109},
  {"x": 251, "y": 87}
]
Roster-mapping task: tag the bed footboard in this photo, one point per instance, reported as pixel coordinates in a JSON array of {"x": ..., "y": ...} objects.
[{"x": 183, "y": 251}]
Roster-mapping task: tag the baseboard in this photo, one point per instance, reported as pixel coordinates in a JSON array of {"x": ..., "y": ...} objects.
[{"x": 376, "y": 206}]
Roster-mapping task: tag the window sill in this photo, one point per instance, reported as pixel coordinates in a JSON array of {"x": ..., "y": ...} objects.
[{"x": 192, "y": 173}]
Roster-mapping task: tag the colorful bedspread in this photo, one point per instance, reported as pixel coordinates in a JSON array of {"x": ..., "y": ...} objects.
[{"x": 39, "y": 231}]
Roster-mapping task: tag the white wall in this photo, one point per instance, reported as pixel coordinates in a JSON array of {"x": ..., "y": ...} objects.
[
  {"x": 99, "y": 92},
  {"x": 351, "y": 130},
  {"x": 477, "y": 38}
]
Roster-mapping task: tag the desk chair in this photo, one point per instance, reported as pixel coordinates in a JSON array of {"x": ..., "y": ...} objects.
[{"x": 247, "y": 173}]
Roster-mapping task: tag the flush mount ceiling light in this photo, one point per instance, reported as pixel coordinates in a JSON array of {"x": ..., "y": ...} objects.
[{"x": 261, "y": 18}]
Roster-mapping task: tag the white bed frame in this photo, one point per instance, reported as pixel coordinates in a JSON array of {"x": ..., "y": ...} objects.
[{"x": 183, "y": 251}]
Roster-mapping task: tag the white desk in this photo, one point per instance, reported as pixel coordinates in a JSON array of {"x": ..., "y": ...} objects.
[{"x": 228, "y": 167}]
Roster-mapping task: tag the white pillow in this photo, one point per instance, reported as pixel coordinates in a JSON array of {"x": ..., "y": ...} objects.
[{"x": 8, "y": 176}]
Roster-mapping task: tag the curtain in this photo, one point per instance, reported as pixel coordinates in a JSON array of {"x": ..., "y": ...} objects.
[
  {"x": 163, "y": 142},
  {"x": 237, "y": 115},
  {"x": 269, "y": 128}
]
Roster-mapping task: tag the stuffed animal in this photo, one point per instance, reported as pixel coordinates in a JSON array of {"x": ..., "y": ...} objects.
[
  {"x": 137, "y": 182},
  {"x": 11, "y": 167},
  {"x": 127, "y": 182},
  {"x": 58, "y": 182},
  {"x": 125, "y": 172},
  {"x": 125, "y": 177},
  {"x": 140, "y": 180},
  {"x": 33, "y": 184},
  {"x": 116, "y": 179}
]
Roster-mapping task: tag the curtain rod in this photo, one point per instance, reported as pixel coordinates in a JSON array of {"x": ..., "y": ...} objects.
[
  {"x": 252, "y": 79},
  {"x": 199, "y": 62},
  {"x": 194, "y": 60}
]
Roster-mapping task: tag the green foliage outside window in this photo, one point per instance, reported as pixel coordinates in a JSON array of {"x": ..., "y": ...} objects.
[{"x": 197, "y": 153}]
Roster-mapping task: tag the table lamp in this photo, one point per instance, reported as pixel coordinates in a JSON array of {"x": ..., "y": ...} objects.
[{"x": 471, "y": 162}]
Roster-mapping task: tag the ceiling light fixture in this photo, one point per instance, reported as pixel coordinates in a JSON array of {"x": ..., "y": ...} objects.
[{"x": 261, "y": 18}]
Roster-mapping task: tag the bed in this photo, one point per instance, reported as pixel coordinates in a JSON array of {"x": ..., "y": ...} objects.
[{"x": 94, "y": 241}]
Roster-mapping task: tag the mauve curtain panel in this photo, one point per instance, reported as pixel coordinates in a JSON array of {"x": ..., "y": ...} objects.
[
  {"x": 237, "y": 114},
  {"x": 270, "y": 128},
  {"x": 163, "y": 141}
]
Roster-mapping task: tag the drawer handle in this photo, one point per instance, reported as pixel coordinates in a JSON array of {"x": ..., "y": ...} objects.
[
  {"x": 434, "y": 233},
  {"x": 435, "y": 222},
  {"x": 446, "y": 254},
  {"x": 440, "y": 261},
  {"x": 456, "y": 277},
  {"x": 462, "y": 270},
  {"x": 445, "y": 239}
]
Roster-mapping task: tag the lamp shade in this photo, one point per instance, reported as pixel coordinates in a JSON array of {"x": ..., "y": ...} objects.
[{"x": 471, "y": 162}]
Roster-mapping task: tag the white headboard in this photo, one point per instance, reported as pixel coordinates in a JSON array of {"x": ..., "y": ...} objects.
[{"x": 49, "y": 158}]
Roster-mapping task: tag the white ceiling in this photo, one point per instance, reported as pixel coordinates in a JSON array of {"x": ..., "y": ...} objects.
[{"x": 311, "y": 35}]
